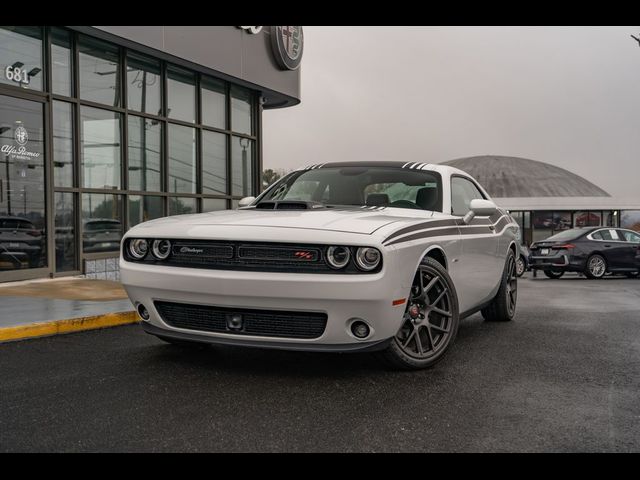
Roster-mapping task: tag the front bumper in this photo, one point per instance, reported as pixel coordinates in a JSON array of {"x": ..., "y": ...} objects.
[{"x": 341, "y": 297}]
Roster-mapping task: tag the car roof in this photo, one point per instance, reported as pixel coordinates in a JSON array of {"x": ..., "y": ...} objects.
[{"x": 442, "y": 169}]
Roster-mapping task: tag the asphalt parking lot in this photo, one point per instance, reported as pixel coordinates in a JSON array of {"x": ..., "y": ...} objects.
[{"x": 563, "y": 376}]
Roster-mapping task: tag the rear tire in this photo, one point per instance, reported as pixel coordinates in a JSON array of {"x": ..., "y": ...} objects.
[
  {"x": 424, "y": 339},
  {"x": 521, "y": 266},
  {"x": 554, "y": 273},
  {"x": 503, "y": 306},
  {"x": 596, "y": 266}
]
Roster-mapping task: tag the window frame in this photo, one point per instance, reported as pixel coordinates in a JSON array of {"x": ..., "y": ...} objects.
[{"x": 472, "y": 181}]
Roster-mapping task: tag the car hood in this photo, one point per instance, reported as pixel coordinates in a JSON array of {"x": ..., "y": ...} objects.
[{"x": 360, "y": 221}]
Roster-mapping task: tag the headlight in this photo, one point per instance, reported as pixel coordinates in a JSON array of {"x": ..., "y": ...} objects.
[
  {"x": 161, "y": 249},
  {"x": 138, "y": 248},
  {"x": 367, "y": 258},
  {"x": 338, "y": 257}
]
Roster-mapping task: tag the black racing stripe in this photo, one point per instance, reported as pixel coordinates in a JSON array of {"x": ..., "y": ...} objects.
[
  {"x": 421, "y": 226},
  {"x": 477, "y": 226},
  {"x": 427, "y": 234},
  {"x": 476, "y": 230}
]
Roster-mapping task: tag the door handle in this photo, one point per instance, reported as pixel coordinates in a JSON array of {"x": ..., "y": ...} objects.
[{"x": 607, "y": 246}]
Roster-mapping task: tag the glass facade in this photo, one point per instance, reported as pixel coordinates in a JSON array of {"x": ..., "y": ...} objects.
[
  {"x": 113, "y": 137},
  {"x": 541, "y": 224}
]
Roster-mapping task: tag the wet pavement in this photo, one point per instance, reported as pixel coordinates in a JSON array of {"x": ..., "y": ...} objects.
[{"x": 562, "y": 377}]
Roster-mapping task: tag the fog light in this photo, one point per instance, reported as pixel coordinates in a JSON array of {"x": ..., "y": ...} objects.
[
  {"x": 143, "y": 312},
  {"x": 360, "y": 329}
]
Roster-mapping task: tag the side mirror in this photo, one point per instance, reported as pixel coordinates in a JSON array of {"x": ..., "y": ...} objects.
[
  {"x": 481, "y": 208},
  {"x": 246, "y": 201}
]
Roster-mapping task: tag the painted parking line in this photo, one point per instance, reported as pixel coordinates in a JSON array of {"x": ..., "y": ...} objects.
[{"x": 57, "y": 327}]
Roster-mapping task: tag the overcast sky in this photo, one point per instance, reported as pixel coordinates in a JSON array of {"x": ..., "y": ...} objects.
[{"x": 569, "y": 96}]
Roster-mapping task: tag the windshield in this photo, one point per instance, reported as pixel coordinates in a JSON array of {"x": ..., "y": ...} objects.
[
  {"x": 567, "y": 234},
  {"x": 359, "y": 186}
]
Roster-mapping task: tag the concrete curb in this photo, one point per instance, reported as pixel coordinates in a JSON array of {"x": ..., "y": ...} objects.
[{"x": 57, "y": 327}]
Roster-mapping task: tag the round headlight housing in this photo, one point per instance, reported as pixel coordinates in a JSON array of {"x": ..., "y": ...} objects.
[
  {"x": 161, "y": 249},
  {"x": 338, "y": 256},
  {"x": 138, "y": 248},
  {"x": 368, "y": 258}
]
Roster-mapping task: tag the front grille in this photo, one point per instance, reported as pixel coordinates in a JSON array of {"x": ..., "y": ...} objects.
[
  {"x": 226, "y": 255},
  {"x": 250, "y": 256},
  {"x": 262, "y": 323}
]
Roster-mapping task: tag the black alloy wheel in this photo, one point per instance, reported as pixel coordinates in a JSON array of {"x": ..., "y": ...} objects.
[
  {"x": 430, "y": 321},
  {"x": 596, "y": 266}
]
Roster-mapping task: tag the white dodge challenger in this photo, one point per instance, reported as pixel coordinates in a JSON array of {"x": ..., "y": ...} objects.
[{"x": 358, "y": 256}]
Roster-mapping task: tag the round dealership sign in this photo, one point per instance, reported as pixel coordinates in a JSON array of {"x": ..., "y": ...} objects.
[
  {"x": 287, "y": 43},
  {"x": 21, "y": 135}
]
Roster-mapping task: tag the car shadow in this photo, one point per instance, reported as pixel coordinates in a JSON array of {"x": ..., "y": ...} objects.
[{"x": 265, "y": 362}]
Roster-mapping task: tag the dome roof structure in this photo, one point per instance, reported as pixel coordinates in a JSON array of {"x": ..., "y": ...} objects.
[{"x": 512, "y": 177}]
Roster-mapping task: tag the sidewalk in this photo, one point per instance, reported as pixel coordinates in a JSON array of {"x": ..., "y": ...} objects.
[{"x": 50, "y": 306}]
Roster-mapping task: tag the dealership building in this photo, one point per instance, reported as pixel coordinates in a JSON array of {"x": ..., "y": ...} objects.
[
  {"x": 545, "y": 199},
  {"x": 104, "y": 127}
]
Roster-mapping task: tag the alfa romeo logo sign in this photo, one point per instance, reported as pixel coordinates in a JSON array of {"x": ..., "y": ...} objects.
[
  {"x": 21, "y": 135},
  {"x": 287, "y": 44}
]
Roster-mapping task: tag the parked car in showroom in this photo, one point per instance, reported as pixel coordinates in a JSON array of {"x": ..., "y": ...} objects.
[
  {"x": 101, "y": 235},
  {"x": 337, "y": 257},
  {"x": 594, "y": 251},
  {"x": 21, "y": 243}
]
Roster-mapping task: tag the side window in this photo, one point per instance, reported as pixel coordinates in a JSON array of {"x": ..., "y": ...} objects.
[
  {"x": 596, "y": 235},
  {"x": 462, "y": 192},
  {"x": 630, "y": 236},
  {"x": 614, "y": 235},
  {"x": 606, "y": 235}
]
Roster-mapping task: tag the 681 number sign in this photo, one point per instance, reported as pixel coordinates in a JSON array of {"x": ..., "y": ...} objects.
[{"x": 16, "y": 74}]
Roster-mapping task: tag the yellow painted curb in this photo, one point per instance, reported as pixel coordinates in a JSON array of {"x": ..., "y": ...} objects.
[{"x": 65, "y": 326}]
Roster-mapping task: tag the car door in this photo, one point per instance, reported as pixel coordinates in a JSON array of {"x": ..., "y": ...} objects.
[
  {"x": 480, "y": 259},
  {"x": 612, "y": 247},
  {"x": 631, "y": 243}
]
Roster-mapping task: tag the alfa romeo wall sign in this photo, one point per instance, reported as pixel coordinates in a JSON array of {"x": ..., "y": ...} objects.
[{"x": 287, "y": 44}]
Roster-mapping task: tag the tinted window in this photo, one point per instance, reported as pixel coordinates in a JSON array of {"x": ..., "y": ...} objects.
[
  {"x": 181, "y": 95},
  {"x": 99, "y": 72},
  {"x": 21, "y": 57},
  {"x": 596, "y": 235},
  {"x": 606, "y": 235},
  {"x": 630, "y": 236},
  {"x": 143, "y": 84},
  {"x": 462, "y": 192}
]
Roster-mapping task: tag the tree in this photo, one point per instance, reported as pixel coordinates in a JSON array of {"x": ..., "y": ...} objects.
[{"x": 270, "y": 176}]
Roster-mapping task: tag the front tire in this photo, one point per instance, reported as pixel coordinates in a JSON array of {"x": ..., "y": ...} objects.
[
  {"x": 503, "y": 306},
  {"x": 430, "y": 322},
  {"x": 596, "y": 266}
]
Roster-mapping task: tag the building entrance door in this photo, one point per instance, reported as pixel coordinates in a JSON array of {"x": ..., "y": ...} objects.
[{"x": 23, "y": 219}]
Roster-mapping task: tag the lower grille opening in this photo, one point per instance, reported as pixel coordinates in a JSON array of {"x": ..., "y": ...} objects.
[{"x": 265, "y": 323}]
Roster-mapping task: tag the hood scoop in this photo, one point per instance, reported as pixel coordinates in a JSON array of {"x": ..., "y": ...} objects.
[{"x": 289, "y": 205}]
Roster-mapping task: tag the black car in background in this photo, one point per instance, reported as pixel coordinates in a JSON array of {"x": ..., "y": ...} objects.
[
  {"x": 21, "y": 243},
  {"x": 594, "y": 251},
  {"x": 101, "y": 235}
]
